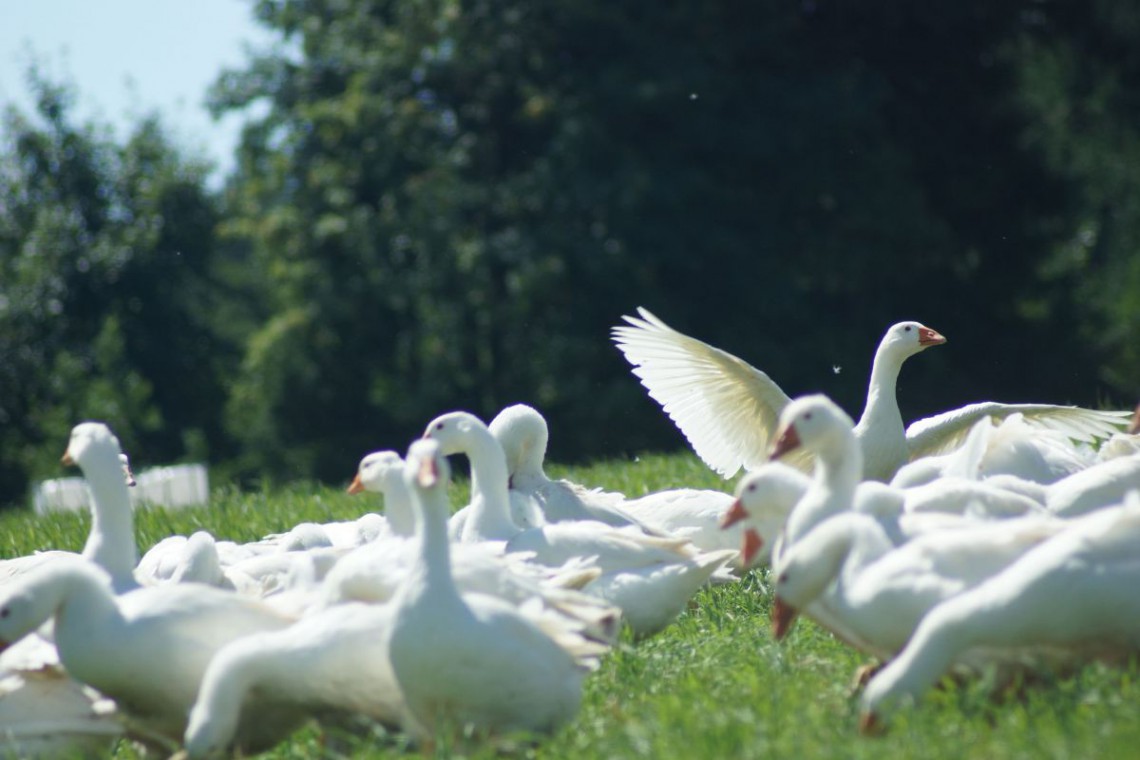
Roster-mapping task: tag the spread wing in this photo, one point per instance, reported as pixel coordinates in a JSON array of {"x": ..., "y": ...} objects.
[
  {"x": 726, "y": 408},
  {"x": 947, "y": 431}
]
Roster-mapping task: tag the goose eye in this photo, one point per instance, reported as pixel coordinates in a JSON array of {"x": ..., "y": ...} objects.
[
  {"x": 751, "y": 486},
  {"x": 783, "y": 577},
  {"x": 439, "y": 426},
  {"x": 807, "y": 415},
  {"x": 5, "y": 612},
  {"x": 908, "y": 328}
]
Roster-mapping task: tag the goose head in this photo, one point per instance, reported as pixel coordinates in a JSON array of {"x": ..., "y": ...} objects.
[
  {"x": 522, "y": 432},
  {"x": 93, "y": 447},
  {"x": 376, "y": 472},
  {"x": 426, "y": 469},
  {"x": 905, "y": 339},
  {"x": 764, "y": 498},
  {"x": 813, "y": 422},
  {"x": 456, "y": 432}
]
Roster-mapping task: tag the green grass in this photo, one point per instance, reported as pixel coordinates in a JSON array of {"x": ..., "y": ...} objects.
[{"x": 714, "y": 684}]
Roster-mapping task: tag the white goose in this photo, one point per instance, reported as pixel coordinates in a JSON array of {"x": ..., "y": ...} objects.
[
  {"x": 334, "y": 660},
  {"x": 146, "y": 649},
  {"x": 1091, "y": 565},
  {"x": 1009, "y": 446},
  {"x": 111, "y": 540},
  {"x": 689, "y": 513},
  {"x": 523, "y": 434},
  {"x": 728, "y": 410},
  {"x": 651, "y": 579},
  {"x": 764, "y": 499},
  {"x": 490, "y": 519},
  {"x": 473, "y": 660},
  {"x": 382, "y": 472},
  {"x": 878, "y": 591}
]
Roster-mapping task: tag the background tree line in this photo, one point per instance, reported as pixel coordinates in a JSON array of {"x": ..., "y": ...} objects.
[{"x": 448, "y": 203}]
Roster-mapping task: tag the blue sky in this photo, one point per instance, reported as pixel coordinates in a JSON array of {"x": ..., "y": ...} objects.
[{"x": 130, "y": 57}]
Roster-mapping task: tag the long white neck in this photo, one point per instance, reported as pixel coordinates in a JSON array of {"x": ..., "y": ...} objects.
[
  {"x": 233, "y": 671},
  {"x": 398, "y": 505},
  {"x": 111, "y": 543},
  {"x": 432, "y": 570},
  {"x": 880, "y": 430},
  {"x": 82, "y": 603},
  {"x": 490, "y": 518},
  {"x": 817, "y": 559},
  {"x": 942, "y": 635},
  {"x": 838, "y": 469}
]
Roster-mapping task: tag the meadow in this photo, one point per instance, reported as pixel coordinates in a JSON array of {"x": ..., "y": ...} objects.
[{"x": 714, "y": 684}]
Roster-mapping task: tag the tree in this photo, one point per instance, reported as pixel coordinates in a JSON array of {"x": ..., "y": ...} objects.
[{"x": 107, "y": 298}]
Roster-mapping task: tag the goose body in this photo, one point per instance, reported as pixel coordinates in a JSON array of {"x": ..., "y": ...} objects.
[
  {"x": 879, "y": 591},
  {"x": 729, "y": 410},
  {"x": 689, "y": 513},
  {"x": 553, "y": 544},
  {"x": 523, "y": 434},
  {"x": 1091, "y": 565},
  {"x": 330, "y": 662},
  {"x": 146, "y": 649},
  {"x": 470, "y": 660}
]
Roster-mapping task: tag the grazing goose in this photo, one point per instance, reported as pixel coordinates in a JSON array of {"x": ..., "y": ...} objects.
[
  {"x": 728, "y": 410},
  {"x": 146, "y": 648},
  {"x": 1091, "y": 565},
  {"x": 879, "y": 591},
  {"x": 332, "y": 661},
  {"x": 473, "y": 660}
]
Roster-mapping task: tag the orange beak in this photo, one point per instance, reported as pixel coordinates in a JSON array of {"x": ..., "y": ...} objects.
[
  {"x": 751, "y": 546},
  {"x": 789, "y": 440},
  {"x": 783, "y": 615},
  {"x": 928, "y": 337},
  {"x": 1134, "y": 428},
  {"x": 66, "y": 459},
  {"x": 733, "y": 515},
  {"x": 356, "y": 486}
]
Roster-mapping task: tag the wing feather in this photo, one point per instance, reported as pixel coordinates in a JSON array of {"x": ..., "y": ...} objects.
[
  {"x": 945, "y": 432},
  {"x": 726, "y": 408}
]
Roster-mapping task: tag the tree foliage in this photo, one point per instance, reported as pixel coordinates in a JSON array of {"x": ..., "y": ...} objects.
[
  {"x": 106, "y": 298},
  {"x": 448, "y": 203}
]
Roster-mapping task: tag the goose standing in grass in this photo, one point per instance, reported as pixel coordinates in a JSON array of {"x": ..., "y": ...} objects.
[
  {"x": 473, "y": 661},
  {"x": 1091, "y": 568},
  {"x": 147, "y": 648},
  {"x": 729, "y": 410},
  {"x": 331, "y": 662}
]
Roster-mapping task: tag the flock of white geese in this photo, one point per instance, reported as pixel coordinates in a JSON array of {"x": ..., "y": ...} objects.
[{"x": 942, "y": 546}]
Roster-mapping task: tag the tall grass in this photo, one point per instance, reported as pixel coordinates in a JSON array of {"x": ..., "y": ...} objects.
[{"x": 714, "y": 684}]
